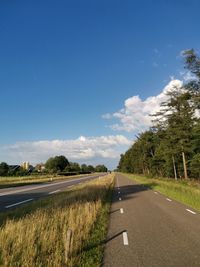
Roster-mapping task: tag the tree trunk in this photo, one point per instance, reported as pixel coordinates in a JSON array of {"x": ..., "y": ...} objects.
[
  {"x": 175, "y": 173},
  {"x": 184, "y": 165}
]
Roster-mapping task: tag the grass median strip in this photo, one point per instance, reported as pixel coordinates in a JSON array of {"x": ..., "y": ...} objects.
[
  {"x": 187, "y": 192},
  {"x": 35, "y": 234}
]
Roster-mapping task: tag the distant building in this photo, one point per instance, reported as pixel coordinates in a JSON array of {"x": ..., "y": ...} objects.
[
  {"x": 25, "y": 165},
  {"x": 40, "y": 167}
]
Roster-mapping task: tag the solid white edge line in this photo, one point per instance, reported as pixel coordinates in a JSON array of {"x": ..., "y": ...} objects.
[
  {"x": 121, "y": 211},
  {"x": 168, "y": 199},
  {"x": 125, "y": 238},
  {"x": 191, "y": 211},
  {"x": 53, "y": 192},
  {"x": 18, "y": 203}
]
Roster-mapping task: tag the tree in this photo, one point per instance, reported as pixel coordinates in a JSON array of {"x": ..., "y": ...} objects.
[
  {"x": 91, "y": 168},
  {"x": 4, "y": 169},
  {"x": 194, "y": 166},
  {"x": 84, "y": 168},
  {"x": 58, "y": 163},
  {"x": 178, "y": 120},
  {"x": 73, "y": 167},
  {"x": 192, "y": 63},
  {"x": 101, "y": 168}
]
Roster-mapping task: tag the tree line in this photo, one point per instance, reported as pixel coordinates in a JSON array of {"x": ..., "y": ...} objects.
[
  {"x": 171, "y": 147},
  {"x": 54, "y": 165},
  {"x": 61, "y": 164}
]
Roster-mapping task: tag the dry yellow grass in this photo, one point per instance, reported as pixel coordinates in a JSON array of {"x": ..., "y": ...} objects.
[{"x": 38, "y": 239}]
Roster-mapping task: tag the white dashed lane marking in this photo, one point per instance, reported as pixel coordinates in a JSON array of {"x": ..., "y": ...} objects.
[
  {"x": 125, "y": 238},
  {"x": 53, "y": 192},
  {"x": 18, "y": 203},
  {"x": 191, "y": 211},
  {"x": 168, "y": 199}
]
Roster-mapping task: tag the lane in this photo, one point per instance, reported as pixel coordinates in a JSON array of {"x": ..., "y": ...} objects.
[
  {"x": 159, "y": 232},
  {"x": 14, "y": 197}
]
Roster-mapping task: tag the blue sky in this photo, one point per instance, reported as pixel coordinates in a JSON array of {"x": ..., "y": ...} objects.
[{"x": 65, "y": 64}]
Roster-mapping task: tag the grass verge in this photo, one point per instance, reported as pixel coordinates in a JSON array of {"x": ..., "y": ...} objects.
[
  {"x": 35, "y": 234},
  {"x": 187, "y": 192}
]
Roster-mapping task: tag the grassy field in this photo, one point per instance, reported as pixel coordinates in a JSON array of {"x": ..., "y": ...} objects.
[
  {"x": 33, "y": 179},
  {"x": 35, "y": 234},
  {"x": 187, "y": 192}
]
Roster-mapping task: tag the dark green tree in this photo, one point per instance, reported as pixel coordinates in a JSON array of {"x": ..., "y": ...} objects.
[
  {"x": 101, "y": 168},
  {"x": 55, "y": 164},
  {"x": 4, "y": 169},
  {"x": 73, "y": 167}
]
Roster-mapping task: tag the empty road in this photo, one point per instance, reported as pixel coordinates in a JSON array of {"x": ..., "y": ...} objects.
[
  {"x": 16, "y": 196},
  {"x": 149, "y": 229}
]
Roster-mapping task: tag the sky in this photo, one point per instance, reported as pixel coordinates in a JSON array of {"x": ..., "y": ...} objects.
[{"x": 79, "y": 78}]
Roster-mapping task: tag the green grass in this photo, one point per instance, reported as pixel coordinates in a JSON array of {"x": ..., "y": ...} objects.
[
  {"x": 187, "y": 192},
  {"x": 34, "y": 234},
  {"x": 32, "y": 179},
  {"x": 92, "y": 254}
]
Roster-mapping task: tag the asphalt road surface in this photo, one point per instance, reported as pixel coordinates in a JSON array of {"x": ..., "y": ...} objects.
[
  {"x": 16, "y": 196},
  {"x": 149, "y": 229}
]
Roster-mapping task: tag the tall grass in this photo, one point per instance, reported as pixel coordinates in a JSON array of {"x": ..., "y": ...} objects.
[
  {"x": 38, "y": 238},
  {"x": 187, "y": 192}
]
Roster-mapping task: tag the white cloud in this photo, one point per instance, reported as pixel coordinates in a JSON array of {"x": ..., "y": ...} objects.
[
  {"x": 187, "y": 76},
  {"x": 91, "y": 150},
  {"x": 134, "y": 116}
]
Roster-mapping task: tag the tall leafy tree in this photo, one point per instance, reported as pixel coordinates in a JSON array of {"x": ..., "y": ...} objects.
[
  {"x": 4, "y": 169},
  {"x": 58, "y": 163}
]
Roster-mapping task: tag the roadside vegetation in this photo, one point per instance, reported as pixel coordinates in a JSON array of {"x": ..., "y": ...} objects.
[
  {"x": 35, "y": 234},
  {"x": 187, "y": 192},
  {"x": 171, "y": 148}
]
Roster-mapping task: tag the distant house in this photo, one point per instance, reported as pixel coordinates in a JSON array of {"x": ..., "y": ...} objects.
[
  {"x": 40, "y": 167},
  {"x": 13, "y": 168}
]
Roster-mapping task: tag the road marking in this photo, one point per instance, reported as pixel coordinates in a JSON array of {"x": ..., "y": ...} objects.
[
  {"x": 18, "y": 203},
  {"x": 168, "y": 199},
  {"x": 120, "y": 198},
  {"x": 53, "y": 192},
  {"x": 119, "y": 192},
  {"x": 125, "y": 238},
  {"x": 121, "y": 211},
  {"x": 191, "y": 211}
]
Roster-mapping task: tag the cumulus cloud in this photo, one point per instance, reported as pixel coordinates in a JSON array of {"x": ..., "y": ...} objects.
[
  {"x": 134, "y": 116},
  {"x": 187, "y": 76},
  {"x": 83, "y": 149}
]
